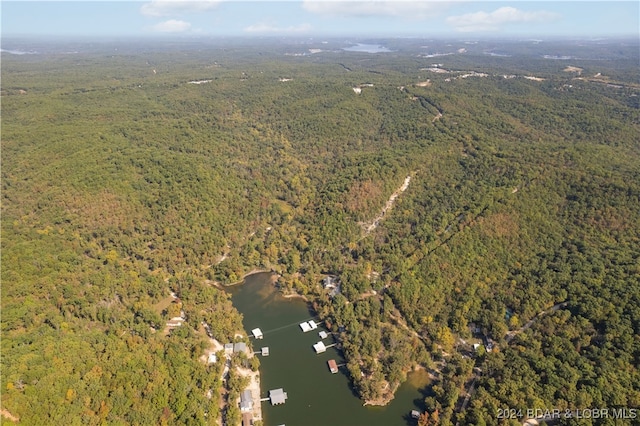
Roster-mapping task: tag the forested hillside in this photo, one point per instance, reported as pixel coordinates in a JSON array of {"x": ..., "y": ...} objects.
[{"x": 131, "y": 171}]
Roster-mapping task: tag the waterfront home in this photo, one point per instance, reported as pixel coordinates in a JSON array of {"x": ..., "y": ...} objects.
[
  {"x": 277, "y": 396},
  {"x": 228, "y": 348},
  {"x": 246, "y": 401},
  {"x": 239, "y": 347}
]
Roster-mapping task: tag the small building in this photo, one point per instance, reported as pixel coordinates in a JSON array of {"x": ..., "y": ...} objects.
[
  {"x": 277, "y": 396},
  {"x": 319, "y": 347},
  {"x": 312, "y": 325},
  {"x": 257, "y": 333},
  {"x": 239, "y": 347},
  {"x": 265, "y": 351},
  {"x": 228, "y": 348},
  {"x": 305, "y": 327},
  {"x": 333, "y": 367},
  {"x": 329, "y": 282},
  {"x": 323, "y": 334},
  {"x": 246, "y": 401},
  {"x": 212, "y": 359},
  {"x": 415, "y": 414}
]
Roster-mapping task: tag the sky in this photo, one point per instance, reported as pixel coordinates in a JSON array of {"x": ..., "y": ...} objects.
[{"x": 412, "y": 18}]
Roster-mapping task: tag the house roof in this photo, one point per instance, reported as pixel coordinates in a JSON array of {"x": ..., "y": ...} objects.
[
  {"x": 246, "y": 395},
  {"x": 239, "y": 347},
  {"x": 246, "y": 400}
]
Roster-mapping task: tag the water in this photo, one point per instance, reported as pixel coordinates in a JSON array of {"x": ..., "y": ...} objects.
[
  {"x": 315, "y": 396},
  {"x": 367, "y": 48}
]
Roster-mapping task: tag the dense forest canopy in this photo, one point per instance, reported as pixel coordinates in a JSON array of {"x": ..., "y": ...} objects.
[{"x": 134, "y": 170}]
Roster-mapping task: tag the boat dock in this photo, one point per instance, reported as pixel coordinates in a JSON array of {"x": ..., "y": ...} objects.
[
  {"x": 320, "y": 347},
  {"x": 308, "y": 326}
]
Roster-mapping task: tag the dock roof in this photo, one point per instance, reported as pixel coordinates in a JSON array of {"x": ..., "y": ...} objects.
[
  {"x": 319, "y": 347},
  {"x": 305, "y": 326},
  {"x": 277, "y": 396}
]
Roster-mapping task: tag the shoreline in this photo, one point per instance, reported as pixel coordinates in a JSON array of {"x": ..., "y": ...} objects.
[
  {"x": 245, "y": 276},
  {"x": 296, "y": 296},
  {"x": 254, "y": 388},
  {"x": 390, "y": 396}
]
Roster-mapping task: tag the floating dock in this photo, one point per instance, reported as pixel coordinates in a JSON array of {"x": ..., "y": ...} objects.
[
  {"x": 333, "y": 367},
  {"x": 277, "y": 396},
  {"x": 257, "y": 333},
  {"x": 323, "y": 334},
  {"x": 308, "y": 326},
  {"x": 319, "y": 347},
  {"x": 265, "y": 351}
]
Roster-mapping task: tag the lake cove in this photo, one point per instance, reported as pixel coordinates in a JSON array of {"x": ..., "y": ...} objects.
[{"x": 315, "y": 396}]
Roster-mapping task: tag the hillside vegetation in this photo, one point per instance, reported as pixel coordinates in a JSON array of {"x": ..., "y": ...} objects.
[{"x": 132, "y": 173}]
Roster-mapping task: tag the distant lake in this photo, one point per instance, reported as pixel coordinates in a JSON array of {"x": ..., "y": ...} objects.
[
  {"x": 315, "y": 396},
  {"x": 367, "y": 48},
  {"x": 16, "y": 52}
]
